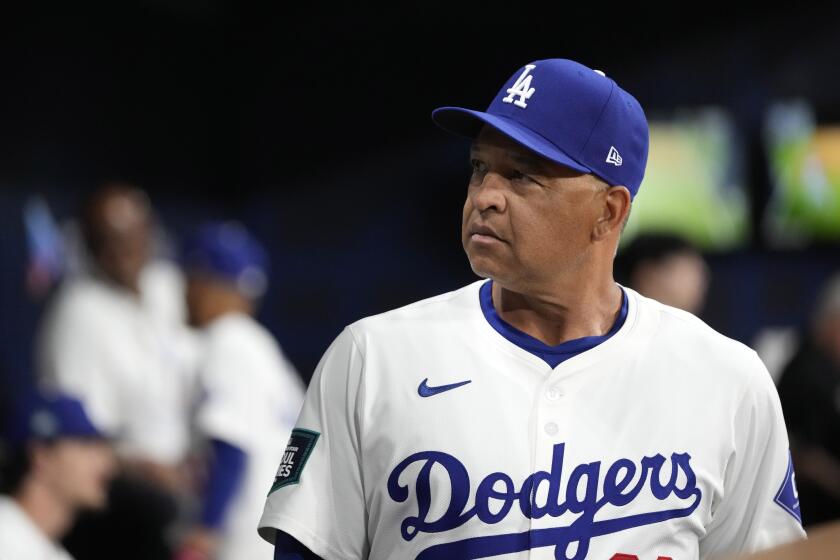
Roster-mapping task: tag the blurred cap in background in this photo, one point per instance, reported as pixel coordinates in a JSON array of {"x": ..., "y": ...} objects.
[
  {"x": 48, "y": 417},
  {"x": 227, "y": 251}
]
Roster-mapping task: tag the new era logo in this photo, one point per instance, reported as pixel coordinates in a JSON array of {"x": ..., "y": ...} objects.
[{"x": 614, "y": 157}]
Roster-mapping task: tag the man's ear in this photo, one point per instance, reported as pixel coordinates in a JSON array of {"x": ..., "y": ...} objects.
[{"x": 614, "y": 211}]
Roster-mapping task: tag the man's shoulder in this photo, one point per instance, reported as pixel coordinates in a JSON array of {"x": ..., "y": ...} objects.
[
  {"x": 686, "y": 334},
  {"x": 84, "y": 294},
  {"x": 81, "y": 304},
  {"x": 447, "y": 309},
  {"x": 241, "y": 335},
  {"x": 237, "y": 327},
  {"x": 18, "y": 536},
  {"x": 81, "y": 287}
]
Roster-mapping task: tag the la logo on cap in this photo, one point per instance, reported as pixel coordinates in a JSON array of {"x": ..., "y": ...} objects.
[{"x": 521, "y": 88}]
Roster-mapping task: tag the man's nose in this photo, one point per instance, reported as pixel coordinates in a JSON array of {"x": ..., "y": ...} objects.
[{"x": 490, "y": 194}]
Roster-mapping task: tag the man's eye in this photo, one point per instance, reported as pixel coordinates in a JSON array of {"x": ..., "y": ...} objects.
[
  {"x": 478, "y": 167},
  {"x": 517, "y": 175}
]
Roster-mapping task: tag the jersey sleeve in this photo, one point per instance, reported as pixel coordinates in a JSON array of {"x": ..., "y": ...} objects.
[
  {"x": 759, "y": 508},
  {"x": 228, "y": 409},
  {"x": 317, "y": 496}
]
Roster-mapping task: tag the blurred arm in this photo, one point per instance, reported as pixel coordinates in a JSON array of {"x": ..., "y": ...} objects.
[{"x": 225, "y": 475}]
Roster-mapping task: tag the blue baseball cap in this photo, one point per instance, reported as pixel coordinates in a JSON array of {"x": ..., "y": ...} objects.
[
  {"x": 226, "y": 251},
  {"x": 568, "y": 114},
  {"x": 47, "y": 417}
]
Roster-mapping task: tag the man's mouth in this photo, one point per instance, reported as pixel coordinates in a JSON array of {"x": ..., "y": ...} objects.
[{"x": 484, "y": 234}]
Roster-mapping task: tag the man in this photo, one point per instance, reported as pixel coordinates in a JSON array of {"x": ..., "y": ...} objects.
[
  {"x": 57, "y": 463},
  {"x": 810, "y": 392},
  {"x": 546, "y": 412},
  {"x": 112, "y": 338},
  {"x": 251, "y": 393},
  {"x": 666, "y": 268}
]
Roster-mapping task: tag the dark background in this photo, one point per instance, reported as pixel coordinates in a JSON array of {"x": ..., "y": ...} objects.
[{"x": 311, "y": 124}]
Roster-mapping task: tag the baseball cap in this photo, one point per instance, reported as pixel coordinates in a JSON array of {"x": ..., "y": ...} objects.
[
  {"x": 568, "y": 114},
  {"x": 49, "y": 416},
  {"x": 227, "y": 251}
]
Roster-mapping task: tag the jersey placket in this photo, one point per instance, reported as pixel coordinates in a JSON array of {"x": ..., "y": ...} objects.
[{"x": 550, "y": 431}]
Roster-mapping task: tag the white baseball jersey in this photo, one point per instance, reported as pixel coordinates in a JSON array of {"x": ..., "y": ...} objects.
[
  {"x": 21, "y": 539},
  {"x": 128, "y": 359},
  {"x": 427, "y": 434},
  {"x": 252, "y": 397}
]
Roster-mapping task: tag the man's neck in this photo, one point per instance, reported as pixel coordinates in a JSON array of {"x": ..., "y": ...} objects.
[
  {"x": 561, "y": 312},
  {"x": 47, "y": 512}
]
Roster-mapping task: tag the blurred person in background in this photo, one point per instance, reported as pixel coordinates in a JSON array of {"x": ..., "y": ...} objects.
[
  {"x": 251, "y": 392},
  {"x": 54, "y": 464},
  {"x": 666, "y": 268},
  {"x": 810, "y": 393},
  {"x": 113, "y": 336}
]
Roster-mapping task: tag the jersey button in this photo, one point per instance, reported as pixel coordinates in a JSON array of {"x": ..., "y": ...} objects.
[
  {"x": 551, "y": 429},
  {"x": 553, "y": 394}
]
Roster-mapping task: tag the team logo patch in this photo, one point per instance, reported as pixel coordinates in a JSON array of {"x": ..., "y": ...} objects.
[
  {"x": 521, "y": 90},
  {"x": 787, "y": 496},
  {"x": 294, "y": 459}
]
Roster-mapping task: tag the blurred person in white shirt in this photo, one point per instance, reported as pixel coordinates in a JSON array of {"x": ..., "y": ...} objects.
[
  {"x": 251, "y": 392},
  {"x": 113, "y": 337},
  {"x": 54, "y": 464}
]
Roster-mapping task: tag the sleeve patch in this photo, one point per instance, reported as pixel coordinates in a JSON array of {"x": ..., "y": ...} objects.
[
  {"x": 297, "y": 452},
  {"x": 788, "y": 497}
]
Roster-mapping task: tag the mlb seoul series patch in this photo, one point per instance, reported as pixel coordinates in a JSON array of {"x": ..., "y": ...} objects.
[{"x": 297, "y": 452}]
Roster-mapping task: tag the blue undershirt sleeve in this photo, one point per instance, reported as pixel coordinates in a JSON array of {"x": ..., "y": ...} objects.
[
  {"x": 287, "y": 547},
  {"x": 227, "y": 468}
]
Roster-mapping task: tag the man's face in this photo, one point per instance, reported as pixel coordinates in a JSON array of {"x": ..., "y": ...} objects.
[
  {"x": 828, "y": 335},
  {"x": 208, "y": 298},
  {"x": 121, "y": 238},
  {"x": 526, "y": 219},
  {"x": 77, "y": 471},
  {"x": 200, "y": 294},
  {"x": 679, "y": 280}
]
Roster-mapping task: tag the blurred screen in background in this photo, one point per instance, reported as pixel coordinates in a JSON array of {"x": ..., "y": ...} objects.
[
  {"x": 694, "y": 184},
  {"x": 804, "y": 159}
]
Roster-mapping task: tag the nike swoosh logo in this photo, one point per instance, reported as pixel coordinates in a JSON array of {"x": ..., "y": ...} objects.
[{"x": 425, "y": 391}]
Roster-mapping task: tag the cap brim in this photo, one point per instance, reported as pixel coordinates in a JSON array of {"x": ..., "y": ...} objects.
[
  {"x": 84, "y": 431},
  {"x": 468, "y": 123}
]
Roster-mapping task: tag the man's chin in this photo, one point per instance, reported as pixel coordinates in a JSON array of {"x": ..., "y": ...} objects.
[
  {"x": 94, "y": 503},
  {"x": 486, "y": 268}
]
